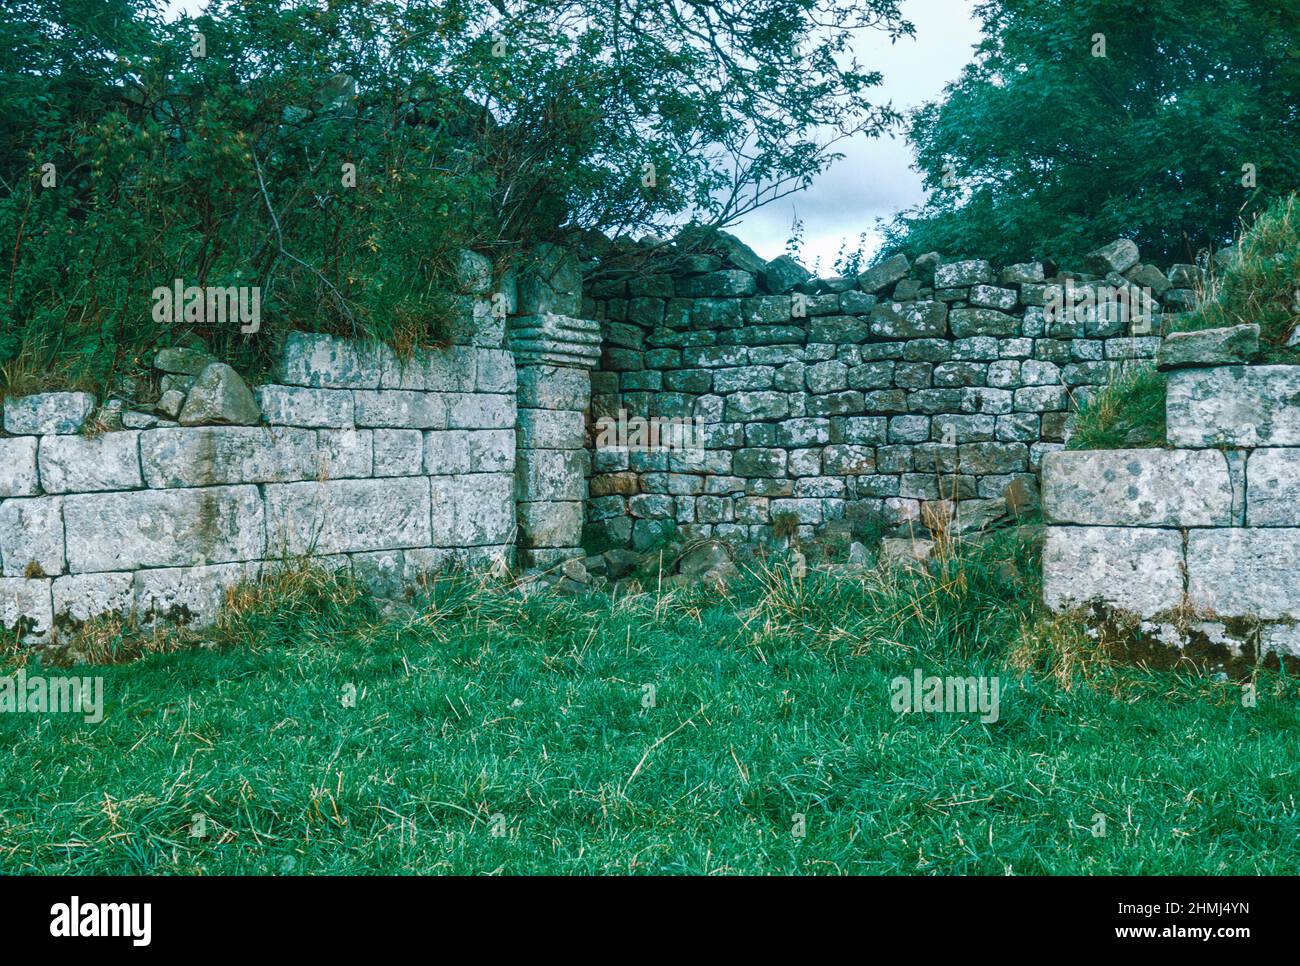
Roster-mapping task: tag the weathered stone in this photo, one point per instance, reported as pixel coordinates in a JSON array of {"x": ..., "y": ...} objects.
[
  {"x": 401, "y": 409},
  {"x": 1273, "y": 488},
  {"x": 31, "y": 537},
  {"x": 480, "y": 411},
  {"x": 299, "y": 406},
  {"x": 1186, "y": 277},
  {"x": 783, "y": 273},
  {"x": 220, "y": 398},
  {"x": 181, "y": 361},
  {"x": 495, "y": 371},
  {"x": 345, "y": 453},
  {"x": 163, "y": 528},
  {"x": 879, "y": 277},
  {"x": 1150, "y": 277},
  {"x": 347, "y": 516},
  {"x": 857, "y": 303},
  {"x": 725, "y": 283},
  {"x": 969, "y": 322},
  {"x": 1118, "y": 256},
  {"x": 189, "y": 595},
  {"x": 1132, "y": 569},
  {"x": 554, "y": 387},
  {"x": 909, "y": 320},
  {"x": 1235, "y": 572},
  {"x": 18, "y": 467},
  {"x": 1231, "y": 345},
  {"x": 206, "y": 456},
  {"x": 324, "y": 361},
  {"x": 473, "y": 510},
  {"x": 963, "y": 274},
  {"x": 1025, "y": 273},
  {"x": 550, "y": 429},
  {"x": 550, "y": 524},
  {"x": 81, "y": 464},
  {"x": 1141, "y": 487},
  {"x": 79, "y": 598},
  {"x": 756, "y": 405},
  {"x": 1244, "y": 406},
  {"x": 48, "y": 413},
  {"x": 25, "y": 609},
  {"x": 398, "y": 452},
  {"x": 992, "y": 297},
  {"x": 552, "y": 474}
]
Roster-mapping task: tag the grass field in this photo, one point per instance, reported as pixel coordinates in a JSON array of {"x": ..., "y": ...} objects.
[{"x": 494, "y": 733}]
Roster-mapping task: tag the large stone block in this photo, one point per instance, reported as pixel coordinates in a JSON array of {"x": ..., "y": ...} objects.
[
  {"x": 451, "y": 369},
  {"x": 31, "y": 537},
  {"x": 327, "y": 362},
  {"x": 473, "y": 510},
  {"x": 554, "y": 387},
  {"x": 25, "y": 609},
  {"x": 401, "y": 409},
  {"x": 84, "y": 464},
  {"x": 300, "y": 406},
  {"x": 1239, "y": 572},
  {"x": 551, "y": 429},
  {"x": 495, "y": 371},
  {"x": 81, "y": 597},
  {"x": 345, "y": 453},
  {"x": 480, "y": 411},
  {"x": 189, "y": 595},
  {"x": 1273, "y": 488},
  {"x": 18, "y": 467},
  {"x": 552, "y": 474},
  {"x": 962, "y": 274},
  {"x": 216, "y": 455},
  {"x": 971, "y": 322},
  {"x": 163, "y": 528},
  {"x": 1133, "y": 569},
  {"x": 454, "y": 451},
  {"x": 347, "y": 516},
  {"x": 1234, "y": 406},
  {"x": 550, "y": 524},
  {"x": 909, "y": 320},
  {"x": 399, "y": 452},
  {"x": 1137, "y": 487},
  {"x": 48, "y": 413}
]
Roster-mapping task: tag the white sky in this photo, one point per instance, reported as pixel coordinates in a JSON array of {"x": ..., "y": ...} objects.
[{"x": 875, "y": 179}]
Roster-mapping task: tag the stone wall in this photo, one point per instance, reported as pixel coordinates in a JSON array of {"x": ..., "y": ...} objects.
[
  {"x": 1198, "y": 543},
  {"x": 846, "y": 401},
  {"x": 383, "y": 467}
]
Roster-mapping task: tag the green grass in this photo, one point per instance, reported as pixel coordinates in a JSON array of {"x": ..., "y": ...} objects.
[
  {"x": 771, "y": 702},
  {"x": 1261, "y": 285}
]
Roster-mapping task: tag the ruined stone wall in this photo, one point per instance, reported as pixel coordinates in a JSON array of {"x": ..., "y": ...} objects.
[
  {"x": 1197, "y": 543},
  {"x": 385, "y": 468},
  {"x": 846, "y": 399}
]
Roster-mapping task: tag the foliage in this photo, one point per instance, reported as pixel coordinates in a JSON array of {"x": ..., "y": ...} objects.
[
  {"x": 219, "y": 159},
  {"x": 1041, "y": 148}
]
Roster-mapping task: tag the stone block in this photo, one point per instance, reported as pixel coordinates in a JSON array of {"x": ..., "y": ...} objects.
[
  {"x": 163, "y": 528},
  {"x": 345, "y": 453},
  {"x": 1245, "y": 572},
  {"x": 48, "y": 413},
  {"x": 399, "y": 452},
  {"x": 552, "y": 474},
  {"x": 26, "y": 609},
  {"x": 1244, "y": 406},
  {"x": 550, "y": 524},
  {"x": 79, "y": 598},
  {"x": 327, "y": 362},
  {"x": 347, "y": 516},
  {"x": 551, "y": 429},
  {"x": 479, "y": 411},
  {"x": 402, "y": 409},
  {"x": 189, "y": 595},
  {"x": 18, "y": 467},
  {"x": 300, "y": 406},
  {"x": 216, "y": 455},
  {"x": 1137, "y": 488},
  {"x": 963, "y": 273},
  {"x": 31, "y": 537},
  {"x": 1133, "y": 569},
  {"x": 474, "y": 510},
  {"x": 83, "y": 464}
]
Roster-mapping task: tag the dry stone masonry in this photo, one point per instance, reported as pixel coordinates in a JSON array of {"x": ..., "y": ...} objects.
[
  {"x": 1198, "y": 543},
  {"x": 850, "y": 402}
]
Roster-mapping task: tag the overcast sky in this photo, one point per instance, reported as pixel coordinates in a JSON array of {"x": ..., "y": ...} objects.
[{"x": 875, "y": 179}]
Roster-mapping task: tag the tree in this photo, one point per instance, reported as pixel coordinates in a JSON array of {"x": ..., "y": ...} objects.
[
  {"x": 1084, "y": 120},
  {"x": 213, "y": 149}
]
